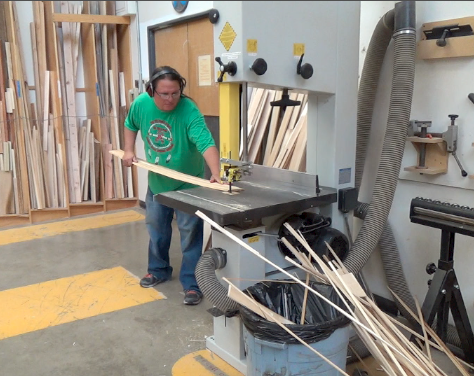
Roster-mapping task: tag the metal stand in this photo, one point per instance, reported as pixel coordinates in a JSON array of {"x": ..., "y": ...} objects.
[{"x": 444, "y": 294}]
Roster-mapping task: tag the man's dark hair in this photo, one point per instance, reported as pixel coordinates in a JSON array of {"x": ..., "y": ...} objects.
[{"x": 162, "y": 73}]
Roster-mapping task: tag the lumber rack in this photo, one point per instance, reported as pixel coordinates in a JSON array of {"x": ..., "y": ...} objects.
[{"x": 444, "y": 293}]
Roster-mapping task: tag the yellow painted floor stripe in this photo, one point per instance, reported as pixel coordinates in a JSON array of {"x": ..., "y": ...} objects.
[
  {"x": 203, "y": 363},
  {"x": 56, "y": 228},
  {"x": 43, "y": 305}
]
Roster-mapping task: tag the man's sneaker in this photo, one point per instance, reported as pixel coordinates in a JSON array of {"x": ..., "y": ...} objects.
[
  {"x": 150, "y": 280},
  {"x": 192, "y": 297}
]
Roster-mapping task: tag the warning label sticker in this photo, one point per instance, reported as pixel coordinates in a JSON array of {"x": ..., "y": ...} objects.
[{"x": 227, "y": 36}]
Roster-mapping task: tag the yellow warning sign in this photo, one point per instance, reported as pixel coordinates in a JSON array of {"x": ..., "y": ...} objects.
[
  {"x": 254, "y": 239},
  {"x": 227, "y": 36},
  {"x": 251, "y": 46},
  {"x": 298, "y": 49}
]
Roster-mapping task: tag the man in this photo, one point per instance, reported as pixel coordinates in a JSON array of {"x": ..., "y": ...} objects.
[{"x": 175, "y": 136}]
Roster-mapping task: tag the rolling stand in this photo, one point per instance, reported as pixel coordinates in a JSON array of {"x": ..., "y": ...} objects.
[{"x": 444, "y": 293}]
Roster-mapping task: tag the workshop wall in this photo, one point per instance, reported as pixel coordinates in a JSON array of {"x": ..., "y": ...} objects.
[{"x": 441, "y": 88}]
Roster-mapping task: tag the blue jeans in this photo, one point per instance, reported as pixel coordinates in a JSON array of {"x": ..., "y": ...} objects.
[{"x": 158, "y": 222}]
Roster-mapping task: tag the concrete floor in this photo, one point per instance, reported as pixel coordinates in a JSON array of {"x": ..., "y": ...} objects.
[
  {"x": 142, "y": 340},
  {"x": 146, "y": 339}
]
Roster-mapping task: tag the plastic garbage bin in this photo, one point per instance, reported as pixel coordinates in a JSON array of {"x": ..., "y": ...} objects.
[{"x": 270, "y": 350}]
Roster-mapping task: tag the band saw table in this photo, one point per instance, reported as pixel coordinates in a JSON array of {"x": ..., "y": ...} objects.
[{"x": 267, "y": 191}]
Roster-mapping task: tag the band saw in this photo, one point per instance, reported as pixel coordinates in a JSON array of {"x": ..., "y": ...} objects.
[{"x": 304, "y": 47}]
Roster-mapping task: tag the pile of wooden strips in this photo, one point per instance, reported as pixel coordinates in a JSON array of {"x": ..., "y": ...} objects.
[
  {"x": 384, "y": 336},
  {"x": 49, "y": 156},
  {"x": 276, "y": 136}
]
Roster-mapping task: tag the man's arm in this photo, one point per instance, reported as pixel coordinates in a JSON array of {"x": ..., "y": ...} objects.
[
  {"x": 129, "y": 147},
  {"x": 211, "y": 155}
]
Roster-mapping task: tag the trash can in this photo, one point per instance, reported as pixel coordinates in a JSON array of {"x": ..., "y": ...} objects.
[{"x": 270, "y": 350}]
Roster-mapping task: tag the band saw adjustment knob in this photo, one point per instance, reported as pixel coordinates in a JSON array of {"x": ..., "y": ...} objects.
[
  {"x": 213, "y": 16},
  {"x": 431, "y": 268},
  {"x": 305, "y": 70},
  {"x": 230, "y": 68},
  {"x": 259, "y": 66}
]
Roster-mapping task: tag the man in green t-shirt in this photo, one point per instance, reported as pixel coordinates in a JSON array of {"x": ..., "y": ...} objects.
[{"x": 175, "y": 136}]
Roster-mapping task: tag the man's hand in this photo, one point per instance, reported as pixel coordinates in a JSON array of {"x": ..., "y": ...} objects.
[
  {"x": 129, "y": 158},
  {"x": 215, "y": 179}
]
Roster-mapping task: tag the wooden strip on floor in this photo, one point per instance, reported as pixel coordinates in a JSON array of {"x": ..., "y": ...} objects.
[
  {"x": 56, "y": 228},
  {"x": 43, "y": 305},
  {"x": 203, "y": 363}
]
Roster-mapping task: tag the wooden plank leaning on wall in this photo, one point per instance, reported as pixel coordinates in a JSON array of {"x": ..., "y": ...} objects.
[{"x": 38, "y": 131}]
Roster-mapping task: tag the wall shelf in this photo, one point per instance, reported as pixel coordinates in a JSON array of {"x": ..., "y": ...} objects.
[
  {"x": 12, "y": 220},
  {"x": 456, "y": 46},
  {"x": 436, "y": 159},
  {"x": 48, "y": 214},
  {"x": 84, "y": 208}
]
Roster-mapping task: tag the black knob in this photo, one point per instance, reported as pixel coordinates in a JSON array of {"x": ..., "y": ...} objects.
[
  {"x": 429, "y": 282},
  {"x": 306, "y": 71},
  {"x": 230, "y": 68},
  {"x": 453, "y": 118},
  {"x": 431, "y": 268},
  {"x": 441, "y": 42},
  {"x": 213, "y": 16},
  {"x": 471, "y": 97},
  {"x": 259, "y": 66},
  {"x": 285, "y": 101}
]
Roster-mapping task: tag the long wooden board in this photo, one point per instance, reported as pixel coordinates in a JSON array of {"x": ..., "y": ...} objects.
[{"x": 176, "y": 174}]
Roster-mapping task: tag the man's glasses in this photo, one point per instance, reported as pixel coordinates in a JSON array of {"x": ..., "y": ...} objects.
[{"x": 168, "y": 96}]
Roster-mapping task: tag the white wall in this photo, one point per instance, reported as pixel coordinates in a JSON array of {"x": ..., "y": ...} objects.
[{"x": 441, "y": 88}]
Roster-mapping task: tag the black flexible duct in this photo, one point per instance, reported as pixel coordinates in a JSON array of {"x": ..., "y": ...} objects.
[
  {"x": 368, "y": 86},
  {"x": 405, "y": 16},
  {"x": 369, "y": 81},
  {"x": 393, "y": 147},
  {"x": 209, "y": 262}
]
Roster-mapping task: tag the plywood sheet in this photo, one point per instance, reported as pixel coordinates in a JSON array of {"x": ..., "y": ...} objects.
[
  {"x": 171, "y": 48},
  {"x": 203, "y": 87}
]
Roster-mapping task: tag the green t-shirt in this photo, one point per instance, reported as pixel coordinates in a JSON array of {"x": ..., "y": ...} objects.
[{"x": 175, "y": 139}]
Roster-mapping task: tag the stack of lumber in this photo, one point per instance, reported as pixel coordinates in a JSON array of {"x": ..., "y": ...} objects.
[
  {"x": 50, "y": 154},
  {"x": 384, "y": 336},
  {"x": 276, "y": 136}
]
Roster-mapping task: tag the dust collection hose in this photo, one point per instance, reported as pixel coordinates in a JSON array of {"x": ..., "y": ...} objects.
[
  {"x": 398, "y": 23},
  {"x": 212, "y": 288},
  {"x": 393, "y": 146}
]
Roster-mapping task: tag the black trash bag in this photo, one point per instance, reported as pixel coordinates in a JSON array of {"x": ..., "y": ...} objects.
[{"x": 286, "y": 299}]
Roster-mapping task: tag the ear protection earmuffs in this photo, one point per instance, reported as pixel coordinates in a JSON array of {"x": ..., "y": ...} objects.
[{"x": 149, "y": 85}]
